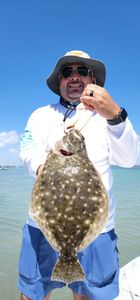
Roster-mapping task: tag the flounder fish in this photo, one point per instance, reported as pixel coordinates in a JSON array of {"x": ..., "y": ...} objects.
[{"x": 69, "y": 203}]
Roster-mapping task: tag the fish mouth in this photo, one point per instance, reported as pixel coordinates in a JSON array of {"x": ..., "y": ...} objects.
[
  {"x": 60, "y": 149},
  {"x": 65, "y": 152}
]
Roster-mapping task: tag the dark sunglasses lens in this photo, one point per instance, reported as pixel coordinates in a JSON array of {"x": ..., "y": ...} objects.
[
  {"x": 83, "y": 71},
  {"x": 67, "y": 71}
]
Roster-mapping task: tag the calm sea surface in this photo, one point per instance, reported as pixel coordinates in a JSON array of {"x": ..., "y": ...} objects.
[{"x": 15, "y": 189}]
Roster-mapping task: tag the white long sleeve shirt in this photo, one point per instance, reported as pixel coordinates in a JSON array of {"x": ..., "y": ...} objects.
[{"x": 106, "y": 145}]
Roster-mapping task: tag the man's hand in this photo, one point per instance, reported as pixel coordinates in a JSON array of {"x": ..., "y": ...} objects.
[{"x": 101, "y": 101}]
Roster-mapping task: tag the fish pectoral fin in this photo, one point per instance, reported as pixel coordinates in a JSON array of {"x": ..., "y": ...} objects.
[{"x": 68, "y": 270}]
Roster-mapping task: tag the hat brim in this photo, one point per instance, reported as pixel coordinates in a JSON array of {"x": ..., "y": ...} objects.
[{"x": 97, "y": 67}]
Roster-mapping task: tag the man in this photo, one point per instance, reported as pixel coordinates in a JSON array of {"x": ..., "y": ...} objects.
[{"x": 110, "y": 139}]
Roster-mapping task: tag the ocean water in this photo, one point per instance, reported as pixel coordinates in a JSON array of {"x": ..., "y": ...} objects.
[{"x": 15, "y": 190}]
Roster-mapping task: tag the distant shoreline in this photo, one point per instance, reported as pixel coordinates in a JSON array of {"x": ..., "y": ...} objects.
[{"x": 4, "y": 167}]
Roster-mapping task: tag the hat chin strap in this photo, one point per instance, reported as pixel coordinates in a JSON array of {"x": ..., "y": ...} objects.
[
  {"x": 78, "y": 121},
  {"x": 68, "y": 104}
]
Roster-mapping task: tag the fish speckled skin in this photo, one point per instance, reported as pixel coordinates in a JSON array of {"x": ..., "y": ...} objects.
[{"x": 69, "y": 203}]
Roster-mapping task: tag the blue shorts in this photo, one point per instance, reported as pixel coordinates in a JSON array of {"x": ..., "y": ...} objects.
[{"x": 99, "y": 260}]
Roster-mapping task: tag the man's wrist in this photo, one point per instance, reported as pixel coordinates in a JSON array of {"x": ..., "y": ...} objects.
[{"x": 121, "y": 117}]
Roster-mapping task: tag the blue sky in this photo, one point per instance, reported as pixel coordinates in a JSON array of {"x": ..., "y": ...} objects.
[{"x": 34, "y": 34}]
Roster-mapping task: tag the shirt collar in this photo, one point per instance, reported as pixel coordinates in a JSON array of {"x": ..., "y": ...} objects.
[{"x": 68, "y": 104}]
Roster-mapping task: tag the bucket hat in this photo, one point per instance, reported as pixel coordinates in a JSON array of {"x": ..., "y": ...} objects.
[{"x": 76, "y": 56}]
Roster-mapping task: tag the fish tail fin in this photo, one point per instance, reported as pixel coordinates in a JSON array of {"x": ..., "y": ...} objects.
[{"x": 68, "y": 270}]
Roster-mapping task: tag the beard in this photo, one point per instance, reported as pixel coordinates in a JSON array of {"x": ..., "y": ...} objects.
[{"x": 72, "y": 91}]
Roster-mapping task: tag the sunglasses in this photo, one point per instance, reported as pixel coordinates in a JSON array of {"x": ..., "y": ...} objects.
[{"x": 81, "y": 70}]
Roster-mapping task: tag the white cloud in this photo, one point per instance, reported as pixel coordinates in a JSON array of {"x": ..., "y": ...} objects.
[
  {"x": 13, "y": 150},
  {"x": 8, "y": 137}
]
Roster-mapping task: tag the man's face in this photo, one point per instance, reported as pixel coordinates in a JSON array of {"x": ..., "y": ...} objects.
[{"x": 72, "y": 86}]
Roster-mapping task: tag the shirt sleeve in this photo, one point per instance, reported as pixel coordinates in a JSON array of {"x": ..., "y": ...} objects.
[
  {"x": 32, "y": 150},
  {"x": 123, "y": 144}
]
